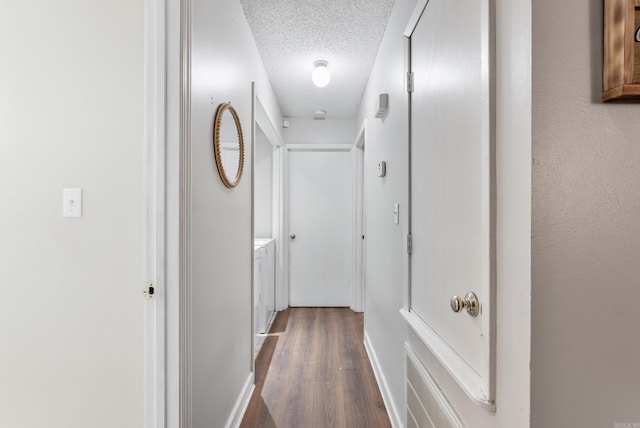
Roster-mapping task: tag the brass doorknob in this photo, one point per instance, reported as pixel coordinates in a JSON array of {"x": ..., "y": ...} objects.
[{"x": 470, "y": 303}]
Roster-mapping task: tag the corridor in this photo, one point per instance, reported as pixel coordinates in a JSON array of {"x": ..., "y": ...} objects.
[{"x": 313, "y": 371}]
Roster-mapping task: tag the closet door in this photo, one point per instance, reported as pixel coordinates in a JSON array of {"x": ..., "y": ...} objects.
[{"x": 451, "y": 189}]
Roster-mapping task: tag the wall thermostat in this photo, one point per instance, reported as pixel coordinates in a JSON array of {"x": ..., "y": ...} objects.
[{"x": 382, "y": 169}]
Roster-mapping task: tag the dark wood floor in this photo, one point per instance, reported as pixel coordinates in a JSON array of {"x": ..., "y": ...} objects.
[{"x": 313, "y": 371}]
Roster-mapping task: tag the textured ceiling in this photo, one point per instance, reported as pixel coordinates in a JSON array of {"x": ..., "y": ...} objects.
[{"x": 292, "y": 34}]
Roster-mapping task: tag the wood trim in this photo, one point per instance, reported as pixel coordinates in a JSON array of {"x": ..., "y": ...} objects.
[
  {"x": 622, "y": 92},
  {"x": 613, "y": 39},
  {"x": 629, "y": 41},
  {"x": 635, "y": 44}
]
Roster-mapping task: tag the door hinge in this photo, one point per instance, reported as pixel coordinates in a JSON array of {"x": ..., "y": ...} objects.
[
  {"x": 149, "y": 291},
  {"x": 409, "y": 244},
  {"x": 410, "y": 81}
]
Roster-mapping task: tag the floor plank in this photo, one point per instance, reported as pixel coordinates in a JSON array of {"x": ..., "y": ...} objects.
[{"x": 313, "y": 371}]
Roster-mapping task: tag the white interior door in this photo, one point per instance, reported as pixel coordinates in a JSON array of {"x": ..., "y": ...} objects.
[
  {"x": 451, "y": 183},
  {"x": 320, "y": 204}
]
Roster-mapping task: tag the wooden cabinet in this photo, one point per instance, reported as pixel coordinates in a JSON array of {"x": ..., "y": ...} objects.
[{"x": 621, "y": 72}]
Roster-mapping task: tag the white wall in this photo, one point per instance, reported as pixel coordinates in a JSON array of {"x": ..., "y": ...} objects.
[
  {"x": 385, "y": 243},
  {"x": 263, "y": 186},
  {"x": 328, "y": 131},
  {"x": 386, "y": 268},
  {"x": 71, "y": 115},
  {"x": 586, "y": 233},
  {"x": 224, "y": 61}
]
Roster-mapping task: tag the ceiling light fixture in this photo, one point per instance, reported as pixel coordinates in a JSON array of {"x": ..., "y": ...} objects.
[{"x": 321, "y": 76}]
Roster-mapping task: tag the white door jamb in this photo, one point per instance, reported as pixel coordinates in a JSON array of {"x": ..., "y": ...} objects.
[
  {"x": 357, "y": 243},
  {"x": 166, "y": 392},
  {"x": 154, "y": 214}
]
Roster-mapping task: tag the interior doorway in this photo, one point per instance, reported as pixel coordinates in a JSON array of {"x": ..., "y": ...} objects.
[
  {"x": 320, "y": 195},
  {"x": 266, "y": 215}
]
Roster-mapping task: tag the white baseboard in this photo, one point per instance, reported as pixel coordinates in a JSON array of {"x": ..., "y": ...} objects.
[
  {"x": 394, "y": 416},
  {"x": 241, "y": 403}
]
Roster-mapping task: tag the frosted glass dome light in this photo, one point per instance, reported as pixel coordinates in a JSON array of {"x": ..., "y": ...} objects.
[{"x": 321, "y": 75}]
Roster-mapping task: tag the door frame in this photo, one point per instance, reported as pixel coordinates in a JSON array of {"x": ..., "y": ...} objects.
[
  {"x": 154, "y": 195},
  {"x": 268, "y": 126},
  {"x": 358, "y": 220},
  {"x": 285, "y": 217},
  {"x": 166, "y": 83}
]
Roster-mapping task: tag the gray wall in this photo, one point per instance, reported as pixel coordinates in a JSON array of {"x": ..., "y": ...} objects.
[
  {"x": 224, "y": 62},
  {"x": 586, "y": 228},
  {"x": 71, "y": 115},
  {"x": 386, "y": 257}
]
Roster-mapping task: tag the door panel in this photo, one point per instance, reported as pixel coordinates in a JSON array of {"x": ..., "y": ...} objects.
[
  {"x": 320, "y": 203},
  {"x": 450, "y": 175}
]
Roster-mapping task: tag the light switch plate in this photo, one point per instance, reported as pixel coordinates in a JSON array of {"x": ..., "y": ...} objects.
[
  {"x": 383, "y": 105},
  {"x": 382, "y": 169},
  {"x": 72, "y": 202},
  {"x": 396, "y": 213}
]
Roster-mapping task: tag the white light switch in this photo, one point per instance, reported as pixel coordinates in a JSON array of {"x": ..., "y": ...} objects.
[
  {"x": 72, "y": 202},
  {"x": 396, "y": 213},
  {"x": 382, "y": 169}
]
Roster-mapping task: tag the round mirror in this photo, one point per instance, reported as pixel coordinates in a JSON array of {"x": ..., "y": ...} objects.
[{"x": 228, "y": 145}]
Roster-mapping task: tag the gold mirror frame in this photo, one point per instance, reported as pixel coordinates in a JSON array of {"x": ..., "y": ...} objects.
[{"x": 216, "y": 144}]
